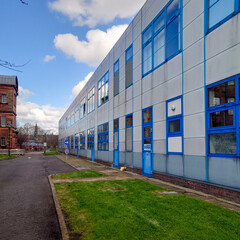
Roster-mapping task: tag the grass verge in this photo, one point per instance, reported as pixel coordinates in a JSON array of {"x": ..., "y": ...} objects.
[
  {"x": 80, "y": 174},
  {"x": 6, "y": 157},
  {"x": 131, "y": 209},
  {"x": 52, "y": 153}
]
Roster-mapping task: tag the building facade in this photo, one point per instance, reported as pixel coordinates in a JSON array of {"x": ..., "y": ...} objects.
[
  {"x": 166, "y": 99},
  {"x": 8, "y": 95}
]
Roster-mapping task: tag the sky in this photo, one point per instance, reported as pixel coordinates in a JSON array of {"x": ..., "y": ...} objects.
[{"x": 60, "y": 43}]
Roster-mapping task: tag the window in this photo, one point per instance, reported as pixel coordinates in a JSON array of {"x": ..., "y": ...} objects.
[
  {"x": 91, "y": 100},
  {"x": 116, "y": 77},
  {"x": 220, "y": 11},
  {"x": 103, "y": 137},
  {"x": 129, "y": 66},
  {"x": 3, "y": 141},
  {"x": 72, "y": 139},
  {"x": 3, "y": 121},
  {"x": 162, "y": 38},
  {"x": 223, "y": 109},
  {"x": 129, "y": 133},
  {"x": 82, "y": 140},
  {"x": 76, "y": 141},
  {"x": 103, "y": 89},
  {"x": 76, "y": 115},
  {"x": 4, "y": 98},
  {"x": 174, "y": 126},
  {"x": 90, "y": 137},
  {"x": 82, "y": 108}
]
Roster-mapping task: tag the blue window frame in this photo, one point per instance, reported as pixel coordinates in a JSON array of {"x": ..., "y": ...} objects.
[
  {"x": 129, "y": 133},
  {"x": 219, "y": 11},
  {"x": 129, "y": 66},
  {"x": 76, "y": 141},
  {"x": 103, "y": 137},
  {"x": 223, "y": 111},
  {"x": 116, "y": 78},
  {"x": 91, "y": 100},
  {"x": 161, "y": 40},
  {"x": 90, "y": 138},
  {"x": 72, "y": 140},
  {"x": 174, "y": 127},
  {"x": 82, "y": 140},
  {"x": 103, "y": 91}
]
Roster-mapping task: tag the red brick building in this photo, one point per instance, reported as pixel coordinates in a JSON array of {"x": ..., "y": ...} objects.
[{"x": 8, "y": 95}]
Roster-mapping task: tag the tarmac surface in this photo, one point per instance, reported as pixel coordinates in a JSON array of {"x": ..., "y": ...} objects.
[{"x": 27, "y": 208}]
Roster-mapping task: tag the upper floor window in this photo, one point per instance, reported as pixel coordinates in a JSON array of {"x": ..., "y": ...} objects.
[
  {"x": 223, "y": 124},
  {"x": 3, "y": 121},
  {"x": 219, "y": 11},
  {"x": 83, "y": 108},
  {"x": 162, "y": 38},
  {"x": 76, "y": 115},
  {"x": 4, "y": 98},
  {"x": 116, "y": 77},
  {"x": 103, "y": 89},
  {"x": 129, "y": 66},
  {"x": 91, "y": 100}
]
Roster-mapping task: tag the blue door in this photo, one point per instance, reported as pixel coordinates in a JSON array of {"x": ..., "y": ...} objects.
[
  {"x": 116, "y": 143},
  {"x": 147, "y": 165}
]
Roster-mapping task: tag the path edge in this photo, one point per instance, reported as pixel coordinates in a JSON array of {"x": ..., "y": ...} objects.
[{"x": 61, "y": 221}]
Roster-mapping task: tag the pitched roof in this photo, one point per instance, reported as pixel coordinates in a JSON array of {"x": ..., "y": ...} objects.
[{"x": 9, "y": 80}]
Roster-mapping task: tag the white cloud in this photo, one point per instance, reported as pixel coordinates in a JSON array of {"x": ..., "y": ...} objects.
[
  {"x": 46, "y": 116},
  {"x": 49, "y": 58},
  {"x": 94, "y": 12},
  {"x": 76, "y": 89},
  {"x": 92, "y": 51}
]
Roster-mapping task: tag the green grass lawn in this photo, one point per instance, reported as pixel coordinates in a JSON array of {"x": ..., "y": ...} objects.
[
  {"x": 81, "y": 174},
  {"x": 5, "y": 156},
  {"x": 52, "y": 153},
  {"x": 131, "y": 209}
]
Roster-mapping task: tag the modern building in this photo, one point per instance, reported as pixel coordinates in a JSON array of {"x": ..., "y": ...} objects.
[
  {"x": 8, "y": 95},
  {"x": 166, "y": 99}
]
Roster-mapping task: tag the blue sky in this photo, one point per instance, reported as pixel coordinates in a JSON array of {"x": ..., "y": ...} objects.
[{"x": 63, "y": 30}]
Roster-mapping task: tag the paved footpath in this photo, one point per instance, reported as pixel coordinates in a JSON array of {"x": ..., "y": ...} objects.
[{"x": 26, "y": 204}]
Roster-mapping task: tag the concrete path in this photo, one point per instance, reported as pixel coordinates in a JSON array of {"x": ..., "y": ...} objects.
[
  {"x": 116, "y": 174},
  {"x": 26, "y": 205}
]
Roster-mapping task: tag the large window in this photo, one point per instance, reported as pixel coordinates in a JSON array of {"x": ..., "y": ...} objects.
[
  {"x": 3, "y": 121},
  {"x": 219, "y": 11},
  {"x": 76, "y": 141},
  {"x": 91, "y": 100},
  {"x": 116, "y": 77},
  {"x": 103, "y": 89},
  {"x": 129, "y": 133},
  {"x": 103, "y": 138},
  {"x": 83, "y": 108},
  {"x": 174, "y": 126},
  {"x": 223, "y": 114},
  {"x": 72, "y": 142},
  {"x": 3, "y": 141},
  {"x": 129, "y": 66},
  {"x": 162, "y": 38},
  {"x": 4, "y": 98},
  {"x": 90, "y": 138},
  {"x": 82, "y": 140},
  {"x": 76, "y": 115}
]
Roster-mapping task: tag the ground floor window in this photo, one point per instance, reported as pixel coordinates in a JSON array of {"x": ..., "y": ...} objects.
[
  {"x": 223, "y": 117},
  {"x": 3, "y": 141},
  {"x": 90, "y": 137},
  {"x": 129, "y": 133},
  {"x": 82, "y": 140},
  {"x": 76, "y": 141},
  {"x": 72, "y": 139},
  {"x": 103, "y": 139},
  {"x": 174, "y": 126}
]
